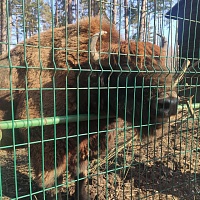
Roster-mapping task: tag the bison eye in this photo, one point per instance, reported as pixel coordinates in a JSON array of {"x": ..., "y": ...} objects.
[
  {"x": 163, "y": 104},
  {"x": 166, "y": 105}
]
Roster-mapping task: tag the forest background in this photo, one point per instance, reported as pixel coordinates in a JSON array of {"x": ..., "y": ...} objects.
[{"x": 141, "y": 20}]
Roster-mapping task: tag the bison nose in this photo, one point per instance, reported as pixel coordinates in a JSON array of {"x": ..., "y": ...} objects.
[{"x": 167, "y": 106}]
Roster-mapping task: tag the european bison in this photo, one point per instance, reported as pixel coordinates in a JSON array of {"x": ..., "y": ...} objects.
[{"x": 128, "y": 80}]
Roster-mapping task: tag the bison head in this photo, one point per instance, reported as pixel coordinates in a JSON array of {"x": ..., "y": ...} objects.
[{"x": 141, "y": 86}]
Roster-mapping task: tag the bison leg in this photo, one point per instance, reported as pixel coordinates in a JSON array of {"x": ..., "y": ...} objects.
[
  {"x": 46, "y": 178},
  {"x": 80, "y": 189},
  {"x": 56, "y": 195},
  {"x": 52, "y": 194}
]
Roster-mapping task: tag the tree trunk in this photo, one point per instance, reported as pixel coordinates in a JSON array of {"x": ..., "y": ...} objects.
[
  {"x": 126, "y": 18},
  {"x": 155, "y": 11},
  {"x": 3, "y": 47},
  {"x": 56, "y": 15},
  {"x": 142, "y": 26},
  {"x": 95, "y": 8},
  {"x": 17, "y": 29},
  {"x": 114, "y": 12},
  {"x": 69, "y": 11},
  {"x": 10, "y": 21}
]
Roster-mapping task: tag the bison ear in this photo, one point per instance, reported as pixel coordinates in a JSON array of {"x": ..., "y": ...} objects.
[{"x": 125, "y": 56}]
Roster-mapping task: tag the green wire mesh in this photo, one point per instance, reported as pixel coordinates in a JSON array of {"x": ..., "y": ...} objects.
[{"x": 66, "y": 100}]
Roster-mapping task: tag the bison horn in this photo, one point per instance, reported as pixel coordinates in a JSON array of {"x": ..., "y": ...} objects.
[{"x": 94, "y": 53}]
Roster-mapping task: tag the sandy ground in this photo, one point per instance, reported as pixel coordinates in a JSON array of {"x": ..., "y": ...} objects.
[{"x": 165, "y": 167}]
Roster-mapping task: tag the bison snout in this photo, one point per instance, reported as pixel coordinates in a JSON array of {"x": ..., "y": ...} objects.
[{"x": 167, "y": 106}]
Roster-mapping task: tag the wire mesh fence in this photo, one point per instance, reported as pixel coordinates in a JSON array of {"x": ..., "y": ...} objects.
[{"x": 99, "y": 99}]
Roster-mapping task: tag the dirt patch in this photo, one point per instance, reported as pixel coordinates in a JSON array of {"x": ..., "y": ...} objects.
[{"x": 167, "y": 167}]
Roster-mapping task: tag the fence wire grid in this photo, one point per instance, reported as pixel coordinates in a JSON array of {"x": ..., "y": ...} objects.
[{"x": 99, "y": 99}]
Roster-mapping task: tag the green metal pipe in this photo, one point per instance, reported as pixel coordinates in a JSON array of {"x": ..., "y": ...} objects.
[{"x": 24, "y": 123}]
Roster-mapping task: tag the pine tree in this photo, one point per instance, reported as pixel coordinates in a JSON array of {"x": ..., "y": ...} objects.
[
  {"x": 3, "y": 33},
  {"x": 147, "y": 18},
  {"x": 126, "y": 18},
  {"x": 34, "y": 16}
]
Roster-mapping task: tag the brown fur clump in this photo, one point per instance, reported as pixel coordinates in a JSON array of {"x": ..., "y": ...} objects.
[{"x": 58, "y": 77}]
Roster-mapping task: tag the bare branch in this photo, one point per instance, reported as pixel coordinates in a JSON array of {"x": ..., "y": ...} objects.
[
  {"x": 194, "y": 65},
  {"x": 163, "y": 42},
  {"x": 185, "y": 65}
]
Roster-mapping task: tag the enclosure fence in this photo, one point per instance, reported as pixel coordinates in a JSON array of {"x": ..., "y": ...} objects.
[{"x": 99, "y": 99}]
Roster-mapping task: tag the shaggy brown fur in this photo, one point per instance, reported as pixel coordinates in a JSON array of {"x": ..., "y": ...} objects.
[{"x": 49, "y": 75}]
